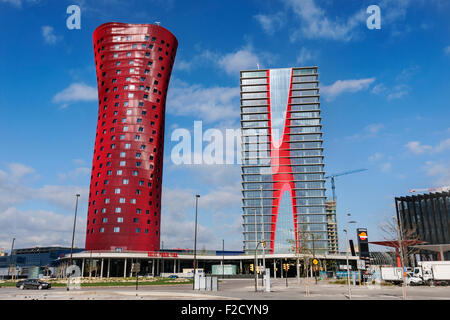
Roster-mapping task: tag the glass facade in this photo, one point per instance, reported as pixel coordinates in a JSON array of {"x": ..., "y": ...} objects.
[
  {"x": 283, "y": 182},
  {"x": 428, "y": 215}
]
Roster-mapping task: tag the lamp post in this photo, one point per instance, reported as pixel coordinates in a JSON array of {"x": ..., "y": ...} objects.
[
  {"x": 346, "y": 253},
  {"x": 11, "y": 256},
  {"x": 223, "y": 259},
  {"x": 195, "y": 239},
  {"x": 162, "y": 258},
  {"x": 73, "y": 237}
]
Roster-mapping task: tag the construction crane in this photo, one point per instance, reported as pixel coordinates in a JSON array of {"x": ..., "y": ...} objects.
[
  {"x": 332, "y": 176},
  {"x": 440, "y": 189}
]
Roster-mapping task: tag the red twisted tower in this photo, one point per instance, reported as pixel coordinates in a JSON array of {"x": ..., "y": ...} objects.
[{"x": 133, "y": 64}]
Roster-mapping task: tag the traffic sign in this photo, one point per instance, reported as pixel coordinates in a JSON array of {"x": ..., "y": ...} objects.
[{"x": 315, "y": 261}]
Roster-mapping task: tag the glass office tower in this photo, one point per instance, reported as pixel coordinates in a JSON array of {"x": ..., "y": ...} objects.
[{"x": 283, "y": 182}]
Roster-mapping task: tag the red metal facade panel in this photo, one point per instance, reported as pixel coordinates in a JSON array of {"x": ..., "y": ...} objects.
[
  {"x": 283, "y": 180},
  {"x": 133, "y": 64}
]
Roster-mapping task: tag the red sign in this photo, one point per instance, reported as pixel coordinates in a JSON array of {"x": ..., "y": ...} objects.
[
  {"x": 363, "y": 236},
  {"x": 163, "y": 254}
]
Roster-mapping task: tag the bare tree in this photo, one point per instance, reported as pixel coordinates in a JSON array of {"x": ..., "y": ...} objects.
[
  {"x": 392, "y": 230},
  {"x": 302, "y": 252}
]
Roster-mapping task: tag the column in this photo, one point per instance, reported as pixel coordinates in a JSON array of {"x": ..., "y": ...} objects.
[
  {"x": 82, "y": 268},
  {"x": 274, "y": 268},
  {"x": 174, "y": 266},
  {"x": 109, "y": 265},
  {"x": 125, "y": 268},
  {"x": 153, "y": 267},
  {"x": 101, "y": 269},
  {"x": 179, "y": 266},
  {"x": 157, "y": 267},
  {"x": 240, "y": 266}
]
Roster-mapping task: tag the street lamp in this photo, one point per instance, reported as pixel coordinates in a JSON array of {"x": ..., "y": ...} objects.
[
  {"x": 73, "y": 237},
  {"x": 195, "y": 239},
  {"x": 11, "y": 256},
  {"x": 346, "y": 253}
]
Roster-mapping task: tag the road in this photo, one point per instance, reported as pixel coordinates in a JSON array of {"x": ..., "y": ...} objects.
[{"x": 235, "y": 289}]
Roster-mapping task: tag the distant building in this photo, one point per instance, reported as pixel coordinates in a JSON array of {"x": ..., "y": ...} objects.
[
  {"x": 429, "y": 216},
  {"x": 332, "y": 228},
  {"x": 27, "y": 259}
]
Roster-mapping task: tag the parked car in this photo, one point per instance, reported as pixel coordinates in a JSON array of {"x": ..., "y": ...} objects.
[
  {"x": 173, "y": 276},
  {"x": 412, "y": 280},
  {"x": 33, "y": 284}
]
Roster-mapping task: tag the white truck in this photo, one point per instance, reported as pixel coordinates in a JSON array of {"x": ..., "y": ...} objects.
[
  {"x": 392, "y": 274},
  {"x": 395, "y": 276},
  {"x": 433, "y": 272}
]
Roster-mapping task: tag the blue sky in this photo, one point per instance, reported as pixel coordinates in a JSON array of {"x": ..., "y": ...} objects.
[{"x": 384, "y": 97}]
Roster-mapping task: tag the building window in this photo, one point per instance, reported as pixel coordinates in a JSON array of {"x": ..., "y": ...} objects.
[
  {"x": 120, "y": 219},
  {"x": 122, "y": 200},
  {"x": 104, "y": 220},
  {"x": 116, "y": 229},
  {"x": 125, "y": 181},
  {"x": 117, "y": 190},
  {"x": 118, "y": 210},
  {"x": 138, "y": 230}
]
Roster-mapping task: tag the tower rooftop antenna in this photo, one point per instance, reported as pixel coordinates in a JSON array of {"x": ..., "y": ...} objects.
[{"x": 157, "y": 23}]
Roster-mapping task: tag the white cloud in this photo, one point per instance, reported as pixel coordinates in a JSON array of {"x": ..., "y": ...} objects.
[
  {"x": 15, "y": 3},
  {"x": 316, "y": 25},
  {"x": 49, "y": 35},
  {"x": 398, "y": 92},
  {"x": 374, "y": 128},
  {"x": 441, "y": 173},
  {"x": 76, "y": 92},
  {"x": 183, "y": 65},
  {"x": 18, "y": 171},
  {"x": 39, "y": 228},
  {"x": 417, "y": 147},
  {"x": 18, "y": 3},
  {"x": 270, "y": 23},
  {"x": 209, "y": 104},
  {"x": 305, "y": 56},
  {"x": 385, "y": 167},
  {"x": 242, "y": 59},
  {"x": 376, "y": 156},
  {"x": 447, "y": 50},
  {"x": 75, "y": 173},
  {"x": 341, "y": 86},
  {"x": 370, "y": 131}
]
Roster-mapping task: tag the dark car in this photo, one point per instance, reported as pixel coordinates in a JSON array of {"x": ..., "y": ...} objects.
[
  {"x": 33, "y": 284},
  {"x": 173, "y": 276}
]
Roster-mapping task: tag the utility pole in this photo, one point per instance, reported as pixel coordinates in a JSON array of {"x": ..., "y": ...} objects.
[
  {"x": 11, "y": 257},
  {"x": 223, "y": 259},
  {"x": 73, "y": 237},
  {"x": 346, "y": 253},
  {"x": 73, "y": 231},
  {"x": 195, "y": 239},
  {"x": 400, "y": 244}
]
